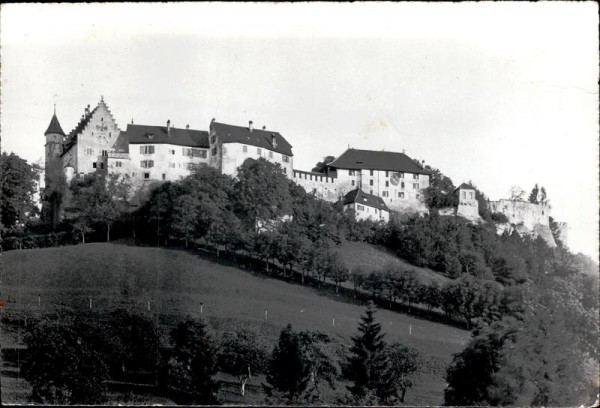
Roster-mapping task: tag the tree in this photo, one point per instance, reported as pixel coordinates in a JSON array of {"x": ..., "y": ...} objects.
[
  {"x": 185, "y": 216},
  {"x": 471, "y": 372},
  {"x": 18, "y": 185},
  {"x": 299, "y": 362},
  {"x": 193, "y": 364},
  {"x": 261, "y": 192},
  {"x": 403, "y": 362},
  {"x": 367, "y": 363},
  {"x": 138, "y": 338},
  {"x": 241, "y": 355},
  {"x": 440, "y": 192},
  {"x": 534, "y": 195},
  {"x": 322, "y": 165},
  {"x": 99, "y": 198},
  {"x": 62, "y": 367},
  {"x": 358, "y": 276}
]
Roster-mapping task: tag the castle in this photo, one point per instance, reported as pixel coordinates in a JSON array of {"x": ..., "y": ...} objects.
[{"x": 149, "y": 153}]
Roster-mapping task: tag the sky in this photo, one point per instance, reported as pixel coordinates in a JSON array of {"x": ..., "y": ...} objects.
[{"x": 502, "y": 94}]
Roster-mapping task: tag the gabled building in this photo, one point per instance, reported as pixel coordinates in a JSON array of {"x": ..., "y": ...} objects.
[
  {"x": 162, "y": 152},
  {"x": 395, "y": 177},
  {"x": 231, "y": 145},
  {"x": 144, "y": 153},
  {"x": 366, "y": 206}
]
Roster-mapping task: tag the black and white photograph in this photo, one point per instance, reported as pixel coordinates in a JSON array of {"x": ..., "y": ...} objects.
[{"x": 307, "y": 204}]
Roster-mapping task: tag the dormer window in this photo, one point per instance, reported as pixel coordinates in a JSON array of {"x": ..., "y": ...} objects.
[{"x": 274, "y": 141}]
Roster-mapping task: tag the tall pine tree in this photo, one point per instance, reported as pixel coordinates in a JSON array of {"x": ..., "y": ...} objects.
[{"x": 367, "y": 364}]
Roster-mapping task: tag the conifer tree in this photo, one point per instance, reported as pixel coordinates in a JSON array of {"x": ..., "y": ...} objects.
[{"x": 367, "y": 364}]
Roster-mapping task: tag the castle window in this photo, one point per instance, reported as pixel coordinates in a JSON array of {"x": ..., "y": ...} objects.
[
  {"x": 245, "y": 149},
  {"x": 351, "y": 172},
  {"x": 270, "y": 154},
  {"x": 464, "y": 195},
  {"x": 402, "y": 184},
  {"x": 104, "y": 153},
  {"x": 371, "y": 182},
  {"x": 214, "y": 151},
  {"x": 387, "y": 183},
  {"x": 258, "y": 151},
  {"x": 101, "y": 165},
  {"x": 385, "y": 194},
  {"x": 359, "y": 207},
  {"x": 371, "y": 172},
  {"x": 285, "y": 158},
  {"x": 401, "y": 194},
  {"x": 401, "y": 174},
  {"x": 371, "y": 191},
  {"x": 118, "y": 164},
  {"x": 147, "y": 149},
  {"x": 353, "y": 182},
  {"x": 199, "y": 153},
  {"x": 89, "y": 151},
  {"x": 416, "y": 186},
  {"x": 415, "y": 176},
  {"x": 132, "y": 174},
  {"x": 172, "y": 151},
  {"x": 145, "y": 164},
  {"x": 213, "y": 138},
  {"x": 94, "y": 165},
  {"x": 471, "y": 195},
  {"x": 171, "y": 165},
  {"x": 186, "y": 151},
  {"x": 164, "y": 176},
  {"x": 146, "y": 176},
  {"x": 387, "y": 173},
  {"x": 311, "y": 177}
]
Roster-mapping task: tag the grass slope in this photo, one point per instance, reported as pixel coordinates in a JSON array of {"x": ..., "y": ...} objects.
[
  {"x": 371, "y": 258},
  {"x": 176, "y": 283}
]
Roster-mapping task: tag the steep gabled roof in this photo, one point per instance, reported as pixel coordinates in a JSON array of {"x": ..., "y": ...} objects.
[
  {"x": 355, "y": 159},
  {"x": 136, "y": 134},
  {"x": 54, "y": 126},
  {"x": 360, "y": 197},
  {"x": 259, "y": 138},
  {"x": 71, "y": 140},
  {"x": 464, "y": 186}
]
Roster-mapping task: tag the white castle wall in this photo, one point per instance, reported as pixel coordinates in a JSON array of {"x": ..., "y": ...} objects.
[
  {"x": 528, "y": 218},
  {"x": 232, "y": 155}
]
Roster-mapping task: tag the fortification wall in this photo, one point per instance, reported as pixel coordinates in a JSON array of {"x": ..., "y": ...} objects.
[{"x": 527, "y": 218}]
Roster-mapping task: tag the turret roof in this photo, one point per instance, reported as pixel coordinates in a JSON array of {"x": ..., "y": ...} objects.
[{"x": 54, "y": 126}]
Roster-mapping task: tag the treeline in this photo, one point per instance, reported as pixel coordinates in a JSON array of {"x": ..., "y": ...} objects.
[{"x": 74, "y": 360}]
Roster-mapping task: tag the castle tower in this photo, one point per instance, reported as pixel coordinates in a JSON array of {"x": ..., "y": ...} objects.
[
  {"x": 468, "y": 206},
  {"x": 54, "y": 140},
  {"x": 53, "y": 169}
]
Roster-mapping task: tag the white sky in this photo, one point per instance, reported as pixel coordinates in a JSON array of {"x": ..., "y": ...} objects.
[{"x": 499, "y": 93}]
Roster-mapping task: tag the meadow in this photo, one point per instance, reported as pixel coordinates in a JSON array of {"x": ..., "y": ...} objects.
[{"x": 169, "y": 284}]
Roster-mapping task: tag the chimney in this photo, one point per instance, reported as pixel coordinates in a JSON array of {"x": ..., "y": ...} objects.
[
  {"x": 132, "y": 121},
  {"x": 169, "y": 127},
  {"x": 213, "y": 119},
  {"x": 187, "y": 127},
  {"x": 250, "y": 126},
  {"x": 264, "y": 128}
]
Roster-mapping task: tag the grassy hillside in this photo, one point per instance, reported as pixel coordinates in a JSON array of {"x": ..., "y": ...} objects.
[
  {"x": 371, "y": 257},
  {"x": 176, "y": 283}
]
